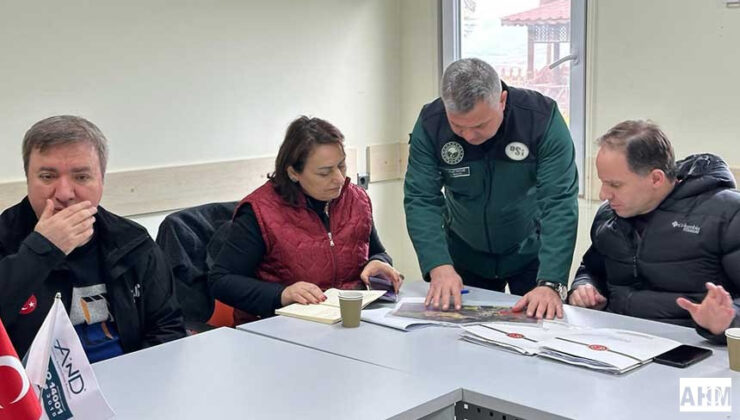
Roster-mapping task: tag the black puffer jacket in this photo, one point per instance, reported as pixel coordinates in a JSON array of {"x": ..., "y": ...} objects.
[
  {"x": 138, "y": 279},
  {"x": 691, "y": 238}
]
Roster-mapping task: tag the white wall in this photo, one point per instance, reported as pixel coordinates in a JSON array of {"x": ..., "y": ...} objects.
[
  {"x": 193, "y": 81},
  {"x": 673, "y": 61},
  {"x": 419, "y": 85}
]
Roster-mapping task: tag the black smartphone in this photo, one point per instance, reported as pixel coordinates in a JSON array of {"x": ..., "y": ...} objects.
[
  {"x": 380, "y": 283},
  {"x": 682, "y": 356}
]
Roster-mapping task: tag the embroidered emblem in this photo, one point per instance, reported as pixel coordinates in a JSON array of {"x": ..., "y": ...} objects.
[
  {"x": 517, "y": 150},
  {"x": 29, "y": 306},
  {"x": 452, "y": 153}
]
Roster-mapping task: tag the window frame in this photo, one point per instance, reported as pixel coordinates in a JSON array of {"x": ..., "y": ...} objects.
[{"x": 450, "y": 43}]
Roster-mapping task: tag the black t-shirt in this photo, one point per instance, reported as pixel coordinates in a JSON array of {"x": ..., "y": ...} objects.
[{"x": 89, "y": 309}]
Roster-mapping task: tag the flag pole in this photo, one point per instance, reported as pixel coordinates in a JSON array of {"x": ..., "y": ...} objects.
[{"x": 57, "y": 298}]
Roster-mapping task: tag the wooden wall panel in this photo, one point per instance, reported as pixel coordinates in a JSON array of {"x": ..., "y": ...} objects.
[{"x": 135, "y": 192}]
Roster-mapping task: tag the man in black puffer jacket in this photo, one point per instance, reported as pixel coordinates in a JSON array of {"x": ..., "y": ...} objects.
[
  {"x": 666, "y": 230},
  {"x": 114, "y": 281}
]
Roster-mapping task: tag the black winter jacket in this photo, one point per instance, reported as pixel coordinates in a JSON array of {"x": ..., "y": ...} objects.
[
  {"x": 693, "y": 237},
  {"x": 139, "y": 281}
]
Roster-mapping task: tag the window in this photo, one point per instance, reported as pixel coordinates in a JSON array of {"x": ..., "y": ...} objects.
[{"x": 534, "y": 44}]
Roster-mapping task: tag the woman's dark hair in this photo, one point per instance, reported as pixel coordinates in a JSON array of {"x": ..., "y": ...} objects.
[{"x": 302, "y": 136}]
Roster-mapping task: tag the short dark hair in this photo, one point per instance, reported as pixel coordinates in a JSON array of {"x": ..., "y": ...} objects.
[
  {"x": 645, "y": 146},
  {"x": 302, "y": 136},
  {"x": 62, "y": 130}
]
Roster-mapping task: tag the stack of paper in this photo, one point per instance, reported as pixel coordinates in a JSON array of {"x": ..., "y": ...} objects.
[
  {"x": 610, "y": 350},
  {"x": 615, "y": 351},
  {"x": 522, "y": 338}
]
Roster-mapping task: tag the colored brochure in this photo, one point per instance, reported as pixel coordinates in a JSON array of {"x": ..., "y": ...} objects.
[
  {"x": 468, "y": 314},
  {"x": 326, "y": 312},
  {"x": 611, "y": 350}
]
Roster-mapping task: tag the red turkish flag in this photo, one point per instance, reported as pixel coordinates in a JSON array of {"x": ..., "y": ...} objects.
[{"x": 18, "y": 400}]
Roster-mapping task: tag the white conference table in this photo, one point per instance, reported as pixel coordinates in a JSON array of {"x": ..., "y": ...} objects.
[
  {"x": 225, "y": 373},
  {"x": 523, "y": 386}
]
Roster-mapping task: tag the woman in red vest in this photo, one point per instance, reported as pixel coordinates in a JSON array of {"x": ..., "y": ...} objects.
[{"x": 307, "y": 229}]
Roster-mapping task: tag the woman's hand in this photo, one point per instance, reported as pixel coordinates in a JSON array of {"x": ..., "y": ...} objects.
[
  {"x": 302, "y": 292},
  {"x": 376, "y": 268}
]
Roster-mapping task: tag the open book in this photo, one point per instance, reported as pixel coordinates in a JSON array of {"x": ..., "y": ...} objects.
[{"x": 326, "y": 312}]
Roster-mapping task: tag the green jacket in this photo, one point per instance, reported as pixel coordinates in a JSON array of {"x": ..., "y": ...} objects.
[{"x": 511, "y": 199}]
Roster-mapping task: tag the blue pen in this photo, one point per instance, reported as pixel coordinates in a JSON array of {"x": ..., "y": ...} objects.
[{"x": 464, "y": 291}]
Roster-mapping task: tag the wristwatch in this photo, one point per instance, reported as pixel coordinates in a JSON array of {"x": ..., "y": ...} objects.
[{"x": 559, "y": 288}]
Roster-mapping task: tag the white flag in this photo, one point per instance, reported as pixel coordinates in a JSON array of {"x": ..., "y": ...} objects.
[{"x": 57, "y": 365}]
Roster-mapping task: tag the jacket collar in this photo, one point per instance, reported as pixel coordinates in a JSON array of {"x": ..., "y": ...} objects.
[
  {"x": 15, "y": 224},
  {"x": 118, "y": 237}
]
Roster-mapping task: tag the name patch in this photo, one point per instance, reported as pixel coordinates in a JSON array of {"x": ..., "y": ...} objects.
[{"x": 458, "y": 172}]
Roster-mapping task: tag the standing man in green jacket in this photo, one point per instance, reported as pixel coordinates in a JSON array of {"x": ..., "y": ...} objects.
[{"x": 509, "y": 211}]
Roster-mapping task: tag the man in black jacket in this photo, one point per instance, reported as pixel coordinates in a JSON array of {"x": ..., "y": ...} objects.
[
  {"x": 114, "y": 282},
  {"x": 666, "y": 234}
]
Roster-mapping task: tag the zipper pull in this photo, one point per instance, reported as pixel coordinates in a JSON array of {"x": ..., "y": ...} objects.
[
  {"x": 331, "y": 240},
  {"x": 634, "y": 266}
]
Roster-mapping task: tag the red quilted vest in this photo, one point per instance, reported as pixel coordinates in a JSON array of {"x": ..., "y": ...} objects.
[{"x": 298, "y": 246}]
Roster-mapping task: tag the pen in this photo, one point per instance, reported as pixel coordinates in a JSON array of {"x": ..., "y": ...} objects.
[{"x": 464, "y": 291}]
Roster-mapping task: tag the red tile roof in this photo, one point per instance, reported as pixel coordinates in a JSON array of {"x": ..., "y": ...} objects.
[{"x": 553, "y": 12}]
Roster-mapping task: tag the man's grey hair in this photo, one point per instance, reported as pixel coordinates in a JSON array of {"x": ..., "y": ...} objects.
[
  {"x": 468, "y": 81},
  {"x": 62, "y": 130}
]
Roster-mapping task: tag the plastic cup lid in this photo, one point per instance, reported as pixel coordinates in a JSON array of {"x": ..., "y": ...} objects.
[
  {"x": 733, "y": 333},
  {"x": 350, "y": 295}
]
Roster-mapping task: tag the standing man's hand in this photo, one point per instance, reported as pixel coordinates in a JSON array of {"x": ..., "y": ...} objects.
[
  {"x": 715, "y": 312},
  {"x": 68, "y": 229},
  {"x": 541, "y": 302},
  {"x": 586, "y": 296},
  {"x": 445, "y": 283}
]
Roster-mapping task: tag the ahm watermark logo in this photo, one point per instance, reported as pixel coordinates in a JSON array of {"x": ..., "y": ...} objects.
[{"x": 705, "y": 395}]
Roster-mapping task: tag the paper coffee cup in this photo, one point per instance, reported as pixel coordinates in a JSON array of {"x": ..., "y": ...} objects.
[
  {"x": 733, "y": 347},
  {"x": 350, "y": 306}
]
